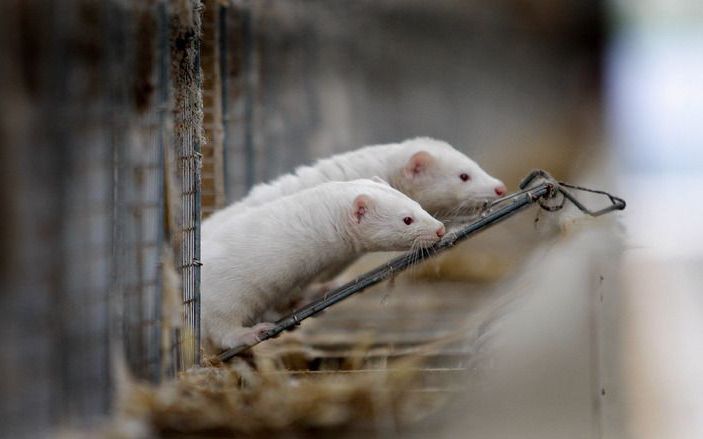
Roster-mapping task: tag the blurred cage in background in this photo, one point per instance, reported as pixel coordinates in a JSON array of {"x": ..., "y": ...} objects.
[
  {"x": 102, "y": 112},
  {"x": 238, "y": 81},
  {"x": 299, "y": 80},
  {"x": 139, "y": 192}
]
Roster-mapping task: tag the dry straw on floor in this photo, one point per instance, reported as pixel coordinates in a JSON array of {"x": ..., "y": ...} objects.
[
  {"x": 242, "y": 399},
  {"x": 380, "y": 375}
]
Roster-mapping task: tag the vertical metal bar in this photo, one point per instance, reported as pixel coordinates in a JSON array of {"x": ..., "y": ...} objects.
[
  {"x": 163, "y": 141},
  {"x": 249, "y": 100},
  {"x": 222, "y": 47},
  {"x": 195, "y": 175},
  {"x": 81, "y": 132},
  {"x": 187, "y": 83}
]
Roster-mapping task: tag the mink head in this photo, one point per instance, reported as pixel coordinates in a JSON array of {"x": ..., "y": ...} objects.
[
  {"x": 443, "y": 180},
  {"x": 383, "y": 219}
]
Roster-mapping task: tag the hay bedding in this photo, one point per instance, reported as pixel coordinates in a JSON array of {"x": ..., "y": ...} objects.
[
  {"x": 376, "y": 364},
  {"x": 362, "y": 367},
  {"x": 241, "y": 399}
]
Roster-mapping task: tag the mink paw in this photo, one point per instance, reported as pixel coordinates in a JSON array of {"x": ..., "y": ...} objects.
[
  {"x": 247, "y": 336},
  {"x": 259, "y": 330}
]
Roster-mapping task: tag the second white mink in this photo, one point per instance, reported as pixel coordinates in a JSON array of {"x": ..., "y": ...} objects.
[
  {"x": 443, "y": 180},
  {"x": 266, "y": 252}
]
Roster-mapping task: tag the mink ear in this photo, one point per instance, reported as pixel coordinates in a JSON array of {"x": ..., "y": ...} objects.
[
  {"x": 361, "y": 207},
  {"x": 378, "y": 179},
  {"x": 417, "y": 163}
]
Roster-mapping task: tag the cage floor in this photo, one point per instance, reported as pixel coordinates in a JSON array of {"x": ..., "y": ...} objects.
[
  {"x": 380, "y": 361},
  {"x": 437, "y": 325}
]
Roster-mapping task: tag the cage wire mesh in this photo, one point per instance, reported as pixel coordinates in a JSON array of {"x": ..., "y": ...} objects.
[
  {"x": 139, "y": 196},
  {"x": 271, "y": 96},
  {"x": 83, "y": 257},
  {"x": 55, "y": 350},
  {"x": 187, "y": 140},
  {"x": 101, "y": 104},
  {"x": 239, "y": 79}
]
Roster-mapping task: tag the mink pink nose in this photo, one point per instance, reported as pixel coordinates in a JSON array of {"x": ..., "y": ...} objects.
[
  {"x": 440, "y": 231},
  {"x": 501, "y": 190}
]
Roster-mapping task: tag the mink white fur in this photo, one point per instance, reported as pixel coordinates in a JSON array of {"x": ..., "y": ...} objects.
[
  {"x": 257, "y": 258},
  {"x": 427, "y": 170}
]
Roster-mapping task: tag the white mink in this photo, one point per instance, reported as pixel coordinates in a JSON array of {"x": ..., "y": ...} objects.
[
  {"x": 260, "y": 256},
  {"x": 443, "y": 180}
]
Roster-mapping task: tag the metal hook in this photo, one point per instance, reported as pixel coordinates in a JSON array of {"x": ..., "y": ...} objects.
[{"x": 616, "y": 203}]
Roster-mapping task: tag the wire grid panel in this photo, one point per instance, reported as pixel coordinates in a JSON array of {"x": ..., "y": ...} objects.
[
  {"x": 271, "y": 113},
  {"x": 187, "y": 114},
  {"x": 83, "y": 326},
  {"x": 239, "y": 81},
  {"x": 59, "y": 305},
  {"x": 55, "y": 359},
  {"x": 140, "y": 212},
  {"x": 80, "y": 124},
  {"x": 87, "y": 210},
  {"x": 139, "y": 206},
  {"x": 189, "y": 337}
]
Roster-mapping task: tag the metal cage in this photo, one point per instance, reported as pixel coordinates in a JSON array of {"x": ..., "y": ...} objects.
[
  {"x": 187, "y": 139},
  {"x": 105, "y": 203}
]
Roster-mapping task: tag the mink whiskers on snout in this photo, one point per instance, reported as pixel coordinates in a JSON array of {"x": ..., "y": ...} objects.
[
  {"x": 467, "y": 210},
  {"x": 419, "y": 250},
  {"x": 416, "y": 255}
]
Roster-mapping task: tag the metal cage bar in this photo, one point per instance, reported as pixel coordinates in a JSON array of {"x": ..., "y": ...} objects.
[
  {"x": 187, "y": 114},
  {"x": 139, "y": 207},
  {"x": 115, "y": 92},
  {"x": 239, "y": 88}
]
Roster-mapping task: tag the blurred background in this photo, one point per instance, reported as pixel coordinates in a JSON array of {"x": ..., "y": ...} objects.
[{"x": 123, "y": 124}]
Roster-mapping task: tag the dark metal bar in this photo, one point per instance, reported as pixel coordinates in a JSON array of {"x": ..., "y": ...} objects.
[
  {"x": 249, "y": 73},
  {"x": 196, "y": 214},
  {"x": 224, "y": 94}
]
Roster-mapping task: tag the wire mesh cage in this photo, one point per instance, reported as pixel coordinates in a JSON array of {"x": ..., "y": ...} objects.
[
  {"x": 239, "y": 83},
  {"x": 105, "y": 114},
  {"x": 139, "y": 210},
  {"x": 187, "y": 115}
]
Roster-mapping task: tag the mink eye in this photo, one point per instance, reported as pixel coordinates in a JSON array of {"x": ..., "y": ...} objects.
[
  {"x": 408, "y": 220},
  {"x": 464, "y": 177}
]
